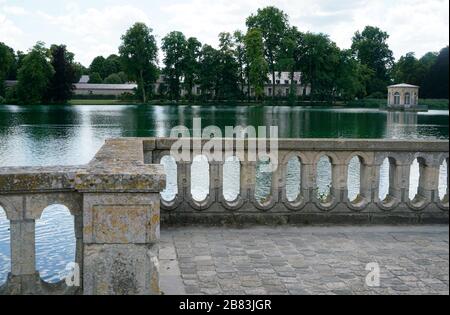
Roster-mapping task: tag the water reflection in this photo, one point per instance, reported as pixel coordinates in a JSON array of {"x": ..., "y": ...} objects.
[
  {"x": 71, "y": 135},
  {"x": 5, "y": 252}
]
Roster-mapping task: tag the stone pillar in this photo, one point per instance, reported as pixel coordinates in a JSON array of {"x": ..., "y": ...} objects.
[{"x": 121, "y": 213}]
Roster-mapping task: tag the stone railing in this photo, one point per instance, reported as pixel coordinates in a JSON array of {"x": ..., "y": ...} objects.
[
  {"x": 115, "y": 204},
  {"x": 308, "y": 207}
]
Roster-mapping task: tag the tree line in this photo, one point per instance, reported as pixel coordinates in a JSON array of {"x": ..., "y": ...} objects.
[{"x": 241, "y": 63}]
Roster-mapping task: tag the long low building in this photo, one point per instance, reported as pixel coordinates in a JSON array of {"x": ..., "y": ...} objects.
[
  {"x": 104, "y": 89},
  {"x": 283, "y": 86}
]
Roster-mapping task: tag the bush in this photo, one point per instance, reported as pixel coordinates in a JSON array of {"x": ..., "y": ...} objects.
[
  {"x": 113, "y": 79},
  {"x": 11, "y": 95},
  {"x": 2, "y": 100},
  {"x": 378, "y": 95}
]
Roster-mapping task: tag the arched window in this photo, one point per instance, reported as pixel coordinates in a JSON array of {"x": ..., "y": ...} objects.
[
  {"x": 396, "y": 98},
  {"x": 407, "y": 99}
]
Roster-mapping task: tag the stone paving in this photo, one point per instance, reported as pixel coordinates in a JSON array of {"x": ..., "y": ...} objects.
[{"x": 304, "y": 260}]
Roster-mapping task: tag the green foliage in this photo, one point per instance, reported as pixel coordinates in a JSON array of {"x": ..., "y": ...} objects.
[
  {"x": 273, "y": 24},
  {"x": 258, "y": 67},
  {"x": 320, "y": 66},
  {"x": 6, "y": 62},
  {"x": 174, "y": 46},
  {"x": 436, "y": 82},
  {"x": 139, "y": 52},
  {"x": 409, "y": 70},
  {"x": 113, "y": 79},
  {"x": 61, "y": 84},
  {"x": 191, "y": 64},
  {"x": 34, "y": 75},
  {"x": 209, "y": 70},
  {"x": 371, "y": 48},
  {"x": 95, "y": 78},
  {"x": 98, "y": 66}
]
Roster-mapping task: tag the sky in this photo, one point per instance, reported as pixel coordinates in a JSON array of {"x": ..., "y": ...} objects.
[{"x": 93, "y": 27}]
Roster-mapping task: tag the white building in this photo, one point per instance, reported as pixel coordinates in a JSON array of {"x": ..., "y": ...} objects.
[
  {"x": 283, "y": 86},
  {"x": 104, "y": 89},
  {"x": 403, "y": 96}
]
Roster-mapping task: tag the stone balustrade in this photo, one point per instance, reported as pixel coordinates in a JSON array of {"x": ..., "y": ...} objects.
[
  {"x": 116, "y": 202},
  {"x": 308, "y": 207}
]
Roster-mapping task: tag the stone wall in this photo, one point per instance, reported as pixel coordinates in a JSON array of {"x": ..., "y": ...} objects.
[
  {"x": 115, "y": 203},
  {"x": 308, "y": 208}
]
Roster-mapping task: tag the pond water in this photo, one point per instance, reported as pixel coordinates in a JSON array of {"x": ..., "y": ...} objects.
[{"x": 71, "y": 135}]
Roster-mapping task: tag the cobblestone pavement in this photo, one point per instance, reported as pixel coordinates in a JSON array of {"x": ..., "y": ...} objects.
[{"x": 304, "y": 260}]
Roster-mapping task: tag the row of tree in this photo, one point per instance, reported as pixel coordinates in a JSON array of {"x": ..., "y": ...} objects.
[
  {"x": 240, "y": 63},
  {"x": 43, "y": 74}
]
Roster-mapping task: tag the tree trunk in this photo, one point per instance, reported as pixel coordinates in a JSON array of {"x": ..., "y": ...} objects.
[
  {"x": 144, "y": 96},
  {"x": 273, "y": 83}
]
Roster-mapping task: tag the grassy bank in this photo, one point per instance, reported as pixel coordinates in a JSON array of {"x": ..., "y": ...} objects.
[
  {"x": 100, "y": 102},
  {"x": 377, "y": 103},
  {"x": 364, "y": 103}
]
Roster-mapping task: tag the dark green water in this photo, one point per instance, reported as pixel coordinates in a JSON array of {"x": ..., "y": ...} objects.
[
  {"x": 46, "y": 135},
  {"x": 64, "y": 135}
]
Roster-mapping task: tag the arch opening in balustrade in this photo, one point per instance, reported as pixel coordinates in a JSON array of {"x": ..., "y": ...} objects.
[
  {"x": 170, "y": 168},
  {"x": 354, "y": 179},
  {"x": 200, "y": 178},
  {"x": 231, "y": 179},
  {"x": 443, "y": 181},
  {"x": 55, "y": 243},
  {"x": 324, "y": 178},
  {"x": 293, "y": 179},
  {"x": 415, "y": 175},
  {"x": 5, "y": 246},
  {"x": 385, "y": 178},
  {"x": 263, "y": 187}
]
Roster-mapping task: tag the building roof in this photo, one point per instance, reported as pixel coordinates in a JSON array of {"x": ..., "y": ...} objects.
[
  {"x": 84, "y": 79},
  {"x": 403, "y": 85},
  {"x": 87, "y": 86}
]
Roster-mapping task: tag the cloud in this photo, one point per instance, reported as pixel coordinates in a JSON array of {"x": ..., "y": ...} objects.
[
  {"x": 15, "y": 10},
  {"x": 91, "y": 28},
  {"x": 93, "y": 31},
  {"x": 10, "y": 33}
]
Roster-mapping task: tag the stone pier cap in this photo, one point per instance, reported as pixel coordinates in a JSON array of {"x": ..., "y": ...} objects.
[{"x": 117, "y": 167}]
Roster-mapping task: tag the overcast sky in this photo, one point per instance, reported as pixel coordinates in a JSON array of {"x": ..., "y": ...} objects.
[{"x": 92, "y": 28}]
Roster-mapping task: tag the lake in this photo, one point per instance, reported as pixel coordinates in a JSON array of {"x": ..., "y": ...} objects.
[{"x": 71, "y": 135}]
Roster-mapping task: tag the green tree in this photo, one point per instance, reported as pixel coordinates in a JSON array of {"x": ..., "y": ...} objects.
[
  {"x": 371, "y": 48},
  {"x": 258, "y": 67},
  {"x": 241, "y": 59},
  {"x": 436, "y": 82},
  {"x": 321, "y": 60},
  {"x": 408, "y": 69},
  {"x": 292, "y": 54},
  {"x": 351, "y": 77},
  {"x": 209, "y": 70},
  {"x": 98, "y": 66},
  {"x": 228, "y": 67},
  {"x": 139, "y": 57},
  {"x": 79, "y": 70},
  {"x": 174, "y": 46},
  {"x": 6, "y": 62},
  {"x": 34, "y": 75},
  {"x": 191, "y": 64},
  {"x": 273, "y": 24},
  {"x": 61, "y": 84},
  {"x": 113, "y": 79},
  {"x": 95, "y": 78}
]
